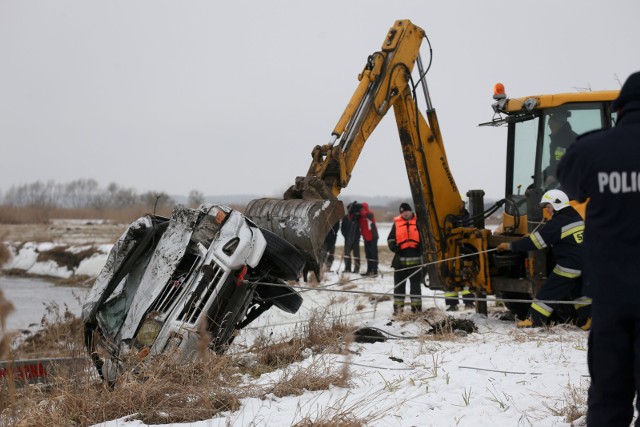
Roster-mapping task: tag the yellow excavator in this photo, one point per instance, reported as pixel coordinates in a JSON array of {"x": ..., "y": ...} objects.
[{"x": 456, "y": 244}]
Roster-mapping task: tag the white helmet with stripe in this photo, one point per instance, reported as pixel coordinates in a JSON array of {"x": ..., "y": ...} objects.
[{"x": 556, "y": 198}]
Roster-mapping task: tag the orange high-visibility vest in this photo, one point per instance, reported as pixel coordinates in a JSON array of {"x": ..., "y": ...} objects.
[{"x": 407, "y": 235}]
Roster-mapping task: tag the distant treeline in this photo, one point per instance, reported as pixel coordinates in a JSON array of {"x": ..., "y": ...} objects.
[
  {"x": 84, "y": 198},
  {"x": 40, "y": 201}
]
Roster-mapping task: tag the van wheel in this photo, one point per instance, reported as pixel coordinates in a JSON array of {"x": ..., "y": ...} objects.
[{"x": 281, "y": 259}]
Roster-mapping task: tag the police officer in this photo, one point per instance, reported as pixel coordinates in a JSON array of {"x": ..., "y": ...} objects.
[
  {"x": 350, "y": 230},
  {"x": 604, "y": 167},
  {"x": 563, "y": 234},
  {"x": 404, "y": 240}
]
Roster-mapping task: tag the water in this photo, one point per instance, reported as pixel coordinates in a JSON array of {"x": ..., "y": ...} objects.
[{"x": 30, "y": 298}]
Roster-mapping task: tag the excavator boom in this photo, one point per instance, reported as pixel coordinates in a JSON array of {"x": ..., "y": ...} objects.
[{"x": 385, "y": 82}]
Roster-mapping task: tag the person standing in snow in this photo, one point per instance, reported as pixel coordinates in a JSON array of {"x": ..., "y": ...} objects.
[
  {"x": 603, "y": 167},
  {"x": 329, "y": 245},
  {"x": 563, "y": 234},
  {"x": 369, "y": 233},
  {"x": 350, "y": 229},
  {"x": 404, "y": 241}
]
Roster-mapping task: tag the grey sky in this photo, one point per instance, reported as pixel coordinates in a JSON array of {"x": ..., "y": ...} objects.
[{"x": 231, "y": 97}]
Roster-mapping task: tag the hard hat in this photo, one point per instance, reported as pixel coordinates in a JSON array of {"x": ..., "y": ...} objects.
[{"x": 556, "y": 198}]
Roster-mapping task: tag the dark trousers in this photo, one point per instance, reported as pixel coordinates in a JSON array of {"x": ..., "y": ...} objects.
[
  {"x": 399, "y": 278},
  {"x": 352, "y": 247},
  {"x": 371, "y": 253},
  {"x": 614, "y": 363},
  {"x": 555, "y": 288}
]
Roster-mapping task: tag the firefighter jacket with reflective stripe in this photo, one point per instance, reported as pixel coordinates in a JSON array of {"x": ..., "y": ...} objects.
[
  {"x": 404, "y": 240},
  {"x": 563, "y": 234}
]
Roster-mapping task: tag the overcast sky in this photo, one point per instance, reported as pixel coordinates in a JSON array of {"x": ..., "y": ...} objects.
[{"x": 231, "y": 97}]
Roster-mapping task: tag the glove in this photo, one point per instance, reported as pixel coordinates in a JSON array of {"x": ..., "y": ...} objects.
[{"x": 504, "y": 247}]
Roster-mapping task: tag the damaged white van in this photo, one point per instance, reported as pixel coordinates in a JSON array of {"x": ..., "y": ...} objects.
[{"x": 168, "y": 279}]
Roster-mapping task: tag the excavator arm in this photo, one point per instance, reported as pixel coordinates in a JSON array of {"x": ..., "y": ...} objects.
[{"x": 385, "y": 83}]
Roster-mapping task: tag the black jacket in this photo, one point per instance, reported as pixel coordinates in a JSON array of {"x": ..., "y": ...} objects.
[
  {"x": 563, "y": 234},
  {"x": 604, "y": 166}
]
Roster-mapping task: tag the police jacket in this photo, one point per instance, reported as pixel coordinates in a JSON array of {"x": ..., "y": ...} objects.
[
  {"x": 564, "y": 235},
  {"x": 604, "y": 167},
  {"x": 350, "y": 229},
  {"x": 404, "y": 240}
]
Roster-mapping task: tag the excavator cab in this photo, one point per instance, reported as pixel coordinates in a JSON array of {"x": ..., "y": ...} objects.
[{"x": 540, "y": 129}]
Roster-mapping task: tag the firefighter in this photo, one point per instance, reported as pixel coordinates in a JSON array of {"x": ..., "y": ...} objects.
[
  {"x": 563, "y": 234},
  {"x": 604, "y": 168},
  {"x": 404, "y": 241}
]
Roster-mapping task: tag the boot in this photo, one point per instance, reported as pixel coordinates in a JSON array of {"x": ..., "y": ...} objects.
[{"x": 526, "y": 323}]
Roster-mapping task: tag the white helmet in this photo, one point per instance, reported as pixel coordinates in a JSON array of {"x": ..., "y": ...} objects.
[{"x": 556, "y": 198}]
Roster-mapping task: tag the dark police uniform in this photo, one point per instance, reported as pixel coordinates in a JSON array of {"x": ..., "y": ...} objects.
[
  {"x": 564, "y": 235},
  {"x": 604, "y": 167}
]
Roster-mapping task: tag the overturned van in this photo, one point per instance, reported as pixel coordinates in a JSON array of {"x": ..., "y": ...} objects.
[{"x": 169, "y": 280}]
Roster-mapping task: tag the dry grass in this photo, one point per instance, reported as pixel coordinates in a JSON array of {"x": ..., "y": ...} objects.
[
  {"x": 43, "y": 215},
  {"x": 573, "y": 405},
  {"x": 318, "y": 336},
  {"x": 318, "y": 375},
  {"x": 161, "y": 390},
  {"x": 61, "y": 334},
  {"x": 5, "y": 254},
  {"x": 64, "y": 258}
]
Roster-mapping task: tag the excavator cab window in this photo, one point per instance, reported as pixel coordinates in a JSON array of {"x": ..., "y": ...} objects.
[
  {"x": 561, "y": 127},
  {"x": 535, "y": 146}
]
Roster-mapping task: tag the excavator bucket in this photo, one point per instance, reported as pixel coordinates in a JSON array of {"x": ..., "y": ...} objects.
[{"x": 303, "y": 223}]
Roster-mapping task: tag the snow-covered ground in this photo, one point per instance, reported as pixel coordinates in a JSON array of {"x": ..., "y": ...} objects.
[{"x": 498, "y": 376}]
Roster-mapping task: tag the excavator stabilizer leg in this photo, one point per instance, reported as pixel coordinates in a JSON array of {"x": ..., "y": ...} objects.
[{"x": 303, "y": 223}]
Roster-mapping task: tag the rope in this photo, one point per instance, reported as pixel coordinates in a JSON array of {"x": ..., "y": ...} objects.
[{"x": 418, "y": 269}]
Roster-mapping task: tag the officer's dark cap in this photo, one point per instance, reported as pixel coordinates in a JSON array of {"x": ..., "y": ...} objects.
[
  {"x": 630, "y": 92},
  {"x": 405, "y": 207}
]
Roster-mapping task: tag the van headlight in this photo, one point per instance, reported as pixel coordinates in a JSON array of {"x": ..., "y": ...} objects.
[{"x": 148, "y": 332}]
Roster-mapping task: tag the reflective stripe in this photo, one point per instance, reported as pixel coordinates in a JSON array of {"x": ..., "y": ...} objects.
[
  {"x": 542, "y": 308},
  {"x": 582, "y": 302},
  {"x": 465, "y": 292},
  {"x": 411, "y": 260},
  {"x": 567, "y": 272},
  {"x": 537, "y": 240},
  {"x": 450, "y": 294},
  {"x": 572, "y": 228}
]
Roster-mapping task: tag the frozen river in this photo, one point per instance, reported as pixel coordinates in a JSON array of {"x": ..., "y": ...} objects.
[{"x": 30, "y": 298}]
